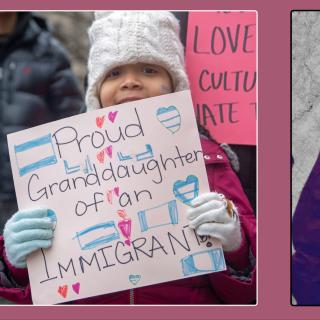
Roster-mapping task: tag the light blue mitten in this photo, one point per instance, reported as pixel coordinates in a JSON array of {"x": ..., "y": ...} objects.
[{"x": 25, "y": 232}]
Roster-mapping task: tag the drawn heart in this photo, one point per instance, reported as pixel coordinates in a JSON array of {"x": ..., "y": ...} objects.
[
  {"x": 187, "y": 190},
  {"x": 116, "y": 191},
  {"x": 100, "y": 156},
  {"x": 112, "y": 115},
  {"x": 108, "y": 151},
  {"x": 100, "y": 121},
  {"x": 76, "y": 287},
  {"x": 63, "y": 290},
  {"x": 109, "y": 196},
  {"x": 125, "y": 228},
  {"x": 170, "y": 118},
  {"x": 134, "y": 278},
  {"x": 122, "y": 214}
]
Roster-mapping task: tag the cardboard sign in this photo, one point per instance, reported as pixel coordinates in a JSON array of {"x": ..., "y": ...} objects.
[
  {"x": 221, "y": 64},
  {"x": 119, "y": 181}
]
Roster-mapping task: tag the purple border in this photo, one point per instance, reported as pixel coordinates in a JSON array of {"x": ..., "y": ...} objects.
[{"x": 274, "y": 169}]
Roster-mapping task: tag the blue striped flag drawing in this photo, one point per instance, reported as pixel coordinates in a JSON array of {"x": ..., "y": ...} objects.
[
  {"x": 35, "y": 154},
  {"x": 170, "y": 118}
]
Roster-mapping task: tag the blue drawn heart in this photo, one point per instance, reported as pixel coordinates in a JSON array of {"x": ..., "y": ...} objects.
[
  {"x": 134, "y": 278},
  {"x": 186, "y": 190},
  {"x": 170, "y": 118}
]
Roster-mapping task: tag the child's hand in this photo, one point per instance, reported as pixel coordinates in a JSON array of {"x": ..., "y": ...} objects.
[
  {"x": 213, "y": 215},
  {"x": 25, "y": 232}
]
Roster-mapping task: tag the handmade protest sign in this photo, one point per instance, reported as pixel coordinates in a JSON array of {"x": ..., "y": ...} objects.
[
  {"x": 119, "y": 181},
  {"x": 221, "y": 64}
]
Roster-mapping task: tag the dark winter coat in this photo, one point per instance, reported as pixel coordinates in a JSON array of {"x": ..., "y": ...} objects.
[{"x": 36, "y": 86}]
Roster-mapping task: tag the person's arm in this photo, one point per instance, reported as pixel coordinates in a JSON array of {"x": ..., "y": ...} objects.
[
  {"x": 238, "y": 283},
  {"x": 14, "y": 282},
  {"x": 24, "y": 233}
]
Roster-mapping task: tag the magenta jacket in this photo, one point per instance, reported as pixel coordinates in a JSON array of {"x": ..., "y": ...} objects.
[{"x": 237, "y": 285}]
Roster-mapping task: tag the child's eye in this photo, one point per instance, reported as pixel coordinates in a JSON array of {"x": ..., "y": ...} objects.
[
  {"x": 113, "y": 74},
  {"x": 149, "y": 70}
]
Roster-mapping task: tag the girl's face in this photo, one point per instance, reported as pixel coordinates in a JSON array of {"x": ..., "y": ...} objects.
[{"x": 134, "y": 82}]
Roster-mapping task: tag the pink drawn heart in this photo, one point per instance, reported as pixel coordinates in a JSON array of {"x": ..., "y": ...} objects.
[
  {"x": 108, "y": 151},
  {"x": 109, "y": 196},
  {"x": 122, "y": 213},
  {"x": 112, "y": 115},
  {"x": 76, "y": 287},
  {"x": 100, "y": 156},
  {"x": 116, "y": 191},
  {"x": 125, "y": 228},
  {"x": 63, "y": 290},
  {"x": 100, "y": 121}
]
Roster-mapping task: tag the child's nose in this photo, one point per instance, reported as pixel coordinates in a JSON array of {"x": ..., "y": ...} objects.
[{"x": 131, "y": 81}]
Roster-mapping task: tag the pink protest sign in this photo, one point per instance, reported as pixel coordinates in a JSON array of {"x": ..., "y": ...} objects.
[
  {"x": 221, "y": 64},
  {"x": 120, "y": 181}
]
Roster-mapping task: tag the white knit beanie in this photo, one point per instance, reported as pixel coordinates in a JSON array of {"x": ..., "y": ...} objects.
[{"x": 127, "y": 37}]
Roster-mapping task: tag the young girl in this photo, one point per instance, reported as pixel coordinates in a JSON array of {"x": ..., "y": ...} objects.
[{"x": 137, "y": 55}]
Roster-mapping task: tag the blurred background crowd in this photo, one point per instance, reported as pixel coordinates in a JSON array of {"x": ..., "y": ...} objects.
[{"x": 71, "y": 29}]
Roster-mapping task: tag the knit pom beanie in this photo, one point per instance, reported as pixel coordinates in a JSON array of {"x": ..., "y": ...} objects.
[{"x": 128, "y": 37}]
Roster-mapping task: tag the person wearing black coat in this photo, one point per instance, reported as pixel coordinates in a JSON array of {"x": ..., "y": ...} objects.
[{"x": 36, "y": 86}]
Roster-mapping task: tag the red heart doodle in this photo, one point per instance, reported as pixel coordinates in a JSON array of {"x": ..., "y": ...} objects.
[
  {"x": 109, "y": 196},
  {"x": 122, "y": 213},
  {"x": 100, "y": 156},
  {"x": 112, "y": 115},
  {"x": 116, "y": 191},
  {"x": 108, "y": 151},
  {"x": 63, "y": 290},
  {"x": 76, "y": 287},
  {"x": 100, "y": 121}
]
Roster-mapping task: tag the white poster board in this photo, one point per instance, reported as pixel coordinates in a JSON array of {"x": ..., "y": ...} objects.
[{"x": 120, "y": 181}]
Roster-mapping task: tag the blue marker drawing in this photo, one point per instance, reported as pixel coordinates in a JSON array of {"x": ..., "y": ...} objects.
[
  {"x": 170, "y": 118},
  {"x": 146, "y": 154},
  {"x": 134, "y": 278},
  {"x": 42, "y": 146},
  {"x": 87, "y": 166},
  {"x": 186, "y": 190},
  {"x": 122, "y": 157},
  {"x": 70, "y": 169},
  {"x": 162, "y": 215},
  {"x": 97, "y": 234},
  {"x": 216, "y": 262}
]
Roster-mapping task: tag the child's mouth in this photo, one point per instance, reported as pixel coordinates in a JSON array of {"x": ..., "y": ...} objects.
[{"x": 129, "y": 99}]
